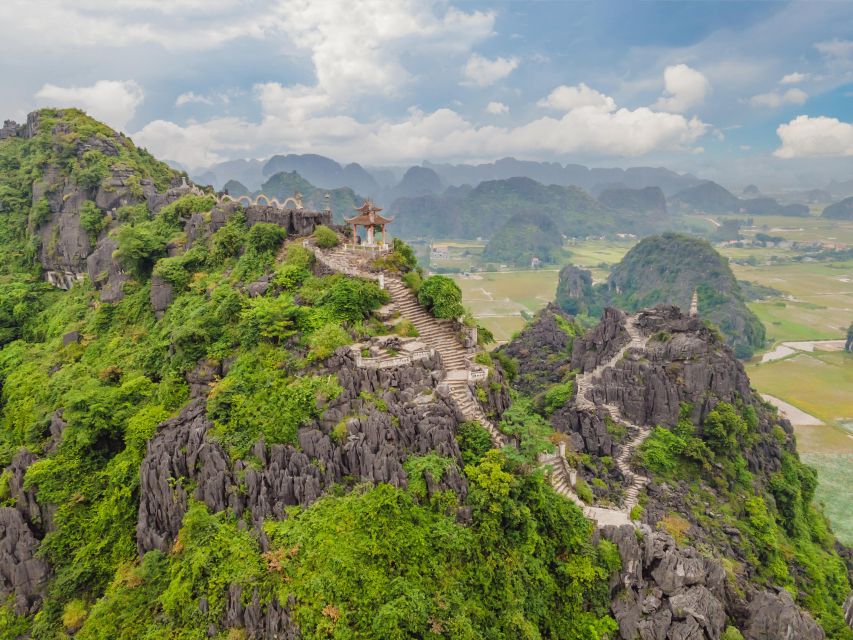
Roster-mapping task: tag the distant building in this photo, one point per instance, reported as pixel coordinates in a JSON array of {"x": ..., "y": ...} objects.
[
  {"x": 535, "y": 263},
  {"x": 439, "y": 252}
]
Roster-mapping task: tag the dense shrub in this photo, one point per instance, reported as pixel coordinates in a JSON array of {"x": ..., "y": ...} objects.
[
  {"x": 442, "y": 296},
  {"x": 351, "y": 298},
  {"x": 325, "y": 237},
  {"x": 724, "y": 429},
  {"x": 473, "y": 441},
  {"x": 413, "y": 280},
  {"x": 260, "y": 399},
  {"x": 325, "y": 340},
  {"x": 265, "y": 236},
  {"x": 141, "y": 245},
  {"x": 556, "y": 397},
  {"x": 92, "y": 219}
]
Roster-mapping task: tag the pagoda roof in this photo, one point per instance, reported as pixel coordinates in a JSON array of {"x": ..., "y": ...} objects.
[{"x": 368, "y": 213}]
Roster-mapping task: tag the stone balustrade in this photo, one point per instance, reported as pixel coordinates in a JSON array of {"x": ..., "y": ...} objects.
[{"x": 389, "y": 361}]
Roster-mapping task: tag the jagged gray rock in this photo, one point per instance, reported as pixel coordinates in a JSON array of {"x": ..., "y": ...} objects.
[
  {"x": 22, "y": 575},
  {"x": 664, "y": 591},
  {"x": 775, "y": 616},
  {"x": 544, "y": 348},
  {"x": 105, "y": 271},
  {"x": 161, "y": 295},
  {"x": 418, "y": 421}
]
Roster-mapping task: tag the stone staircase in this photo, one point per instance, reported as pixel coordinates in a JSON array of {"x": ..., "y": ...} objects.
[{"x": 441, "y": 336}]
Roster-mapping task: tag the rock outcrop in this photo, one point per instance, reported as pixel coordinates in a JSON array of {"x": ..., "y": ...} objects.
[
  {"x": 667, "y": 592},
  {"x": 543, "y": 349},
  {"x": 23, "y": 575},
  {"x": 420, "y": 419},
  {"x": 773, "y": 615}
]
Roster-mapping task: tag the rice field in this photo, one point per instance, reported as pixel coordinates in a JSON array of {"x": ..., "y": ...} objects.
[{"x": 499, "y": 298}]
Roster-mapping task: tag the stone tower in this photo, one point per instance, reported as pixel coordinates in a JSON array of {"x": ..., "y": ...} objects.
[{"x": 694, "y": 304}]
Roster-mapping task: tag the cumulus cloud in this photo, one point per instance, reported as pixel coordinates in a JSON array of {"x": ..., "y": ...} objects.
[
  {"x": 806, "y": 136},
  {"x": 565, "y": 98},
  {"x": 291, "y": 120},
  {"x": 775, "y": 99},
  {"x": 483, "y": 72},
  {"x": 793, "y": 78},
  {"x": 497, "y": 108},
  {"x": 112, "y": 101},
  {"x": 684, "y": 87}
]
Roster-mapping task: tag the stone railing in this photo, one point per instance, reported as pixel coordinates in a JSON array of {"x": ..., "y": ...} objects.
[
  {"x": 478, "y": 374},
  {"x": 388, "y": 361}
]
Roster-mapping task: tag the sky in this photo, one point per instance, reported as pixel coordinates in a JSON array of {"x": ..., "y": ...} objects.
[{"x": 741, "y": 92}]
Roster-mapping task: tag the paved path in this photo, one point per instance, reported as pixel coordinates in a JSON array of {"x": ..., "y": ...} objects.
[
  {"x": 798, "y": 417},
  {"x": 786, "y": 349},
  {"x": 441, "y": 336}
]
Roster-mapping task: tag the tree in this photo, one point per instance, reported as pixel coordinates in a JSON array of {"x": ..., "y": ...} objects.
[
  {"x": 849, "y": 345},
  {"x": 442, "y": 296}
]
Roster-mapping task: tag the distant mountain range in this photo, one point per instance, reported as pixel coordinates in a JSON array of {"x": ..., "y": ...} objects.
[
  {"x": 710, "y": 197},
  {"x": 326, "y": 173}
]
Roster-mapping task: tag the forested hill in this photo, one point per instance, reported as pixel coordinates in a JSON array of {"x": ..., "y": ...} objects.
[
  {"x": 183, "y": 454},
  {"x": 207, "y": 431},
  {"x": 668, "y": 269},
  {"x": 481, "y": 211}
]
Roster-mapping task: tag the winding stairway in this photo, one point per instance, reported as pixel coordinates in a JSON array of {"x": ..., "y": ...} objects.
[{"x": 440, "y": 335}]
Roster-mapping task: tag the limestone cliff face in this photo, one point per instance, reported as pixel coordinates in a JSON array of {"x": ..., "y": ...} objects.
[
  {"x": 544, "y": 349},
  {"x": 669, "y": 592},
  {"x": 420, "y": 419}
]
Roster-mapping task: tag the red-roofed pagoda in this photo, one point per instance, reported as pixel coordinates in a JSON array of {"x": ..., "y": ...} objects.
[{"x": 369, "y": 218}]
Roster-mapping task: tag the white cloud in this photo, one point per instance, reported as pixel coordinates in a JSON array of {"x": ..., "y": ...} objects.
[
  {"x": 566, "y": 98},
  {"x": 745, "y": 147},
  {"x": 112, "y": 101},
  {"x": 497, "y": 108},
  {"x": 806, "y": 136},
  {"x": 836, "y": 48},
  {"x": 775, "y": 99},
  {"x": 793, "y": 78},
  {"x": 684, "y": 87},
  {"x": 290, "y": 120},
  {"x": 191, "y": 97},
  {"x": 482, "y": 72}
]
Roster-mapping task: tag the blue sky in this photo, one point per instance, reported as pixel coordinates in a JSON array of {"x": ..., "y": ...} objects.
[{"x": 737, "y": 91}]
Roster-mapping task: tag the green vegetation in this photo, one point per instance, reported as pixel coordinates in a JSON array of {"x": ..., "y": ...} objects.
[
  {"x": 442, "y": 297},
  {"x": 126, "y": 375},
  {"x": 479, "y": 212},
  {"x": 668, "y": 269},
  {"x": 522, "y": 238},
  {"x": 785, "y": 539},
  {"x": 325, "y": 237},
  {"x": 379, "y": 563}
]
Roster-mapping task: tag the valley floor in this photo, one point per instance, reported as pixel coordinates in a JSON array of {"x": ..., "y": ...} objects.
[{"x": 804, "y": 373}]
